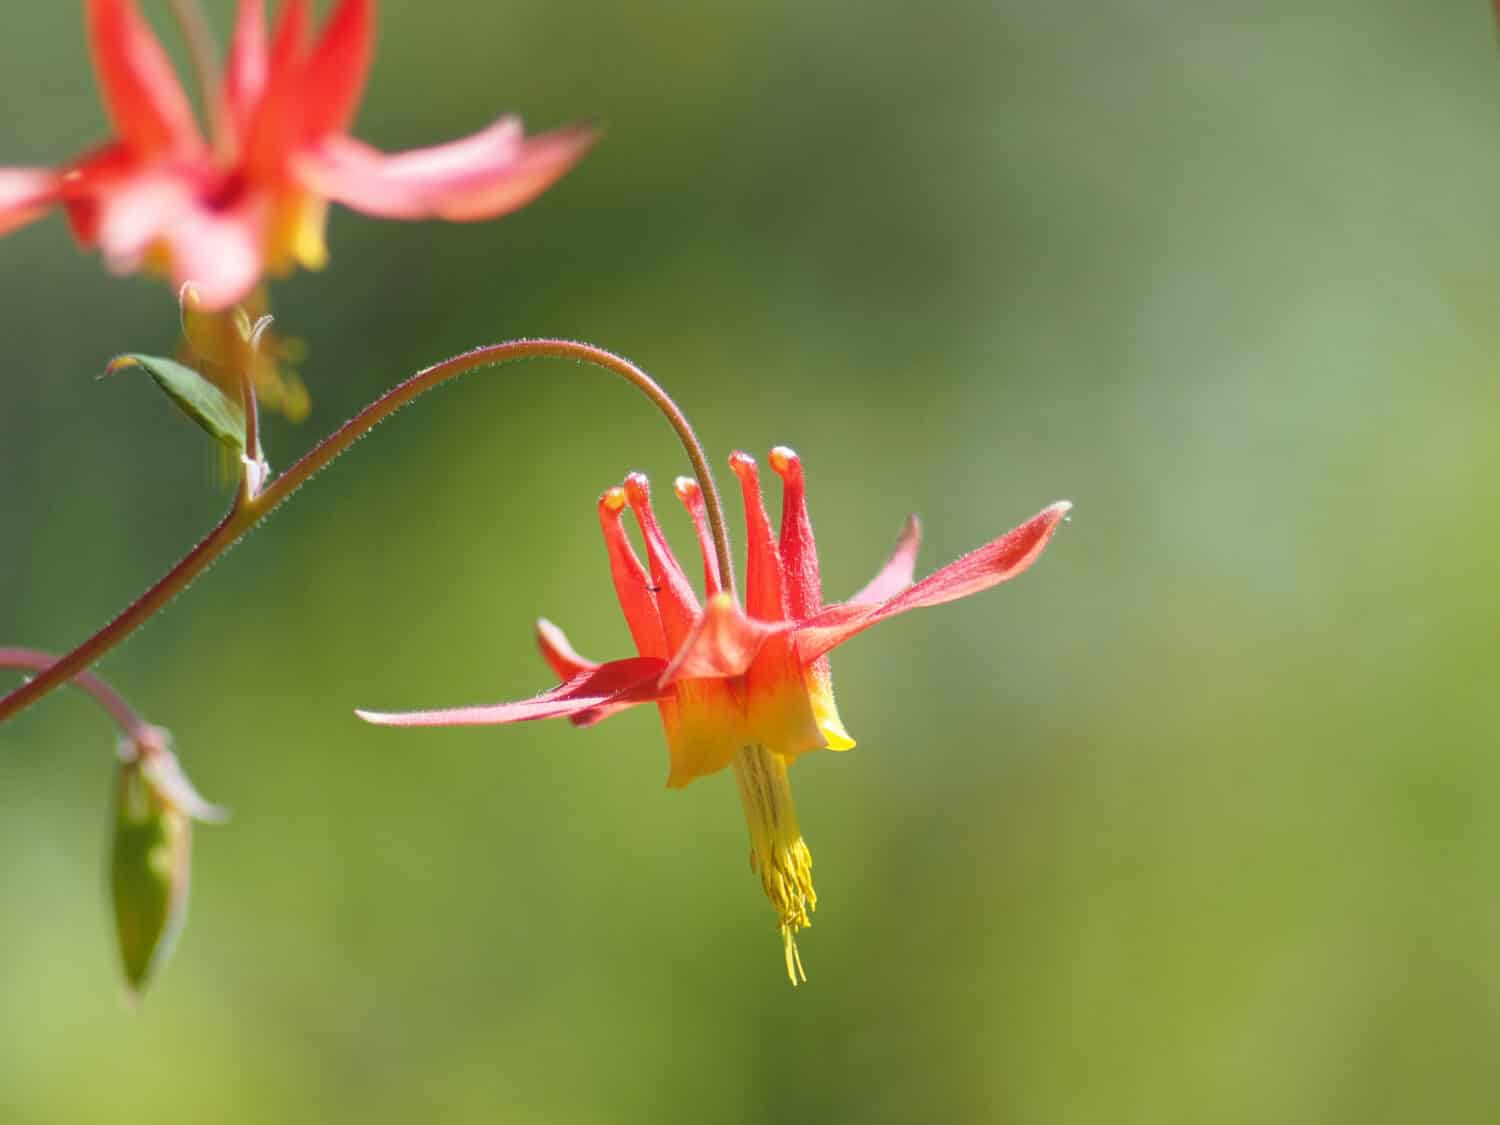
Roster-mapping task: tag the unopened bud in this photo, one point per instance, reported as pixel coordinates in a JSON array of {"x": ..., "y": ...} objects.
[{"x": 151, "y": 860}]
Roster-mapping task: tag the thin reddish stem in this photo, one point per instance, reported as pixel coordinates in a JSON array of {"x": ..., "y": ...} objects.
[
  {"x": 34, "y": 660},
  {"x": 247, "y": 512}
]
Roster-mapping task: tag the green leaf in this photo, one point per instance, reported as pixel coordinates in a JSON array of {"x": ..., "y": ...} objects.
[
  {"x": 198, "y": 398},
  {"x": 149, "y": 870}
]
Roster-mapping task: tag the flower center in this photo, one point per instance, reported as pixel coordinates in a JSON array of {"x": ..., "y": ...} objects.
[
  {"x": 777, "y": 851},
  {"x": 226, "y": 189}
]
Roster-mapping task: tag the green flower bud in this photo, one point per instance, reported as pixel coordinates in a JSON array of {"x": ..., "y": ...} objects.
[{"x": 151, "y": 859}]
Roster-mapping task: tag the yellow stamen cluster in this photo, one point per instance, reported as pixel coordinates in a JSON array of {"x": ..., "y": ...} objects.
[{"x": 777, "y": 851}]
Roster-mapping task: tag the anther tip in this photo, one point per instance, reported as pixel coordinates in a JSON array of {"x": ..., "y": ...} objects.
[
  {"x": 785, "y": 460},
  {"x": 742, "y": 464},
  {"x": 613, "y": 500},
  {"x": 687, "y": 489}
]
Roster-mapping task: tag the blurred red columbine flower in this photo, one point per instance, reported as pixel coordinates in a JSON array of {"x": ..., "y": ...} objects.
[
  {"x": 253, "y": 200},
  {"x": 749, "y": 688}
]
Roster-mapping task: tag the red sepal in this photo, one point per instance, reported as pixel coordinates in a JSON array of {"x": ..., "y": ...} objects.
[
  {"x": 609, "y": 685},
  {"x": 995, "y": 562}
]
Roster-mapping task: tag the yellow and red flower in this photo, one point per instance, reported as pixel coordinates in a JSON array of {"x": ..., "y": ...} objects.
[
  {"x": 252, "y": 200},
  {"x": 746, "y": 687}
]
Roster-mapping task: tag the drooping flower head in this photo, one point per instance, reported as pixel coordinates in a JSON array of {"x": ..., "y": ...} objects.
[
  {"x": 251, "y": 200},
  {"x": 745, "y": 687}
]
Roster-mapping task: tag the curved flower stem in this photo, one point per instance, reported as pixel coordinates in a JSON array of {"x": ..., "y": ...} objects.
[
  {"x": 249, "y": 510},
  {"x": 130, "y": 724}
]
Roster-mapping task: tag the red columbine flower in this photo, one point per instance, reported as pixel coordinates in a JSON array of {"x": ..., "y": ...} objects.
[
  {"x": 749, "y": 688},
  {"x": 255, "y": 200}
]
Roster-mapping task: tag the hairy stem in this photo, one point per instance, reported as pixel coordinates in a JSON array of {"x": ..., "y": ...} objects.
[
  {"x": 247, "y": 511},
  {"x": 34, "y": 660}
]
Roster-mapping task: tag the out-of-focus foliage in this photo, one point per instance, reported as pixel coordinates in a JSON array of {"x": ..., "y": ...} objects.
[{"x": 1194, "y": 822}]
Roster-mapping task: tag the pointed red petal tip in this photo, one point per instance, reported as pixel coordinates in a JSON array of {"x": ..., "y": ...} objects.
[
  {"x": 490, "y": 173},
  {"x": 559, "y": 653},
  {"x": 25, "y": 194},
  {"x": 616, "y": 684},
  {"x": 139, "y": 88},
  {"x": 338, "y": 67},
  {"x": 564, "y": 659},
  {"x": 997, "y": 561},
  {"x": 743, "y": 465},
  {"x": 899, "y": 571}
]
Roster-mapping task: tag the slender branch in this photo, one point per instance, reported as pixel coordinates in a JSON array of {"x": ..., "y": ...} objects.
[
  {"x": 30, "y": 659},
  {"x": 133, "y": 616},
  {"x": 493, "y": 355},
  {"x": 205, "y": 62},
  {"x": 246, "y": 512}
]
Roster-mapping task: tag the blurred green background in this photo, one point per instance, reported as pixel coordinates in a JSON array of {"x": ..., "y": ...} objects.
[{"x": 1195, "y": 822}]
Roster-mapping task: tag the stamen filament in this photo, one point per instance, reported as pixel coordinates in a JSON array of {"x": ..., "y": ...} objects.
[{"x": 777, "y": 851}]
